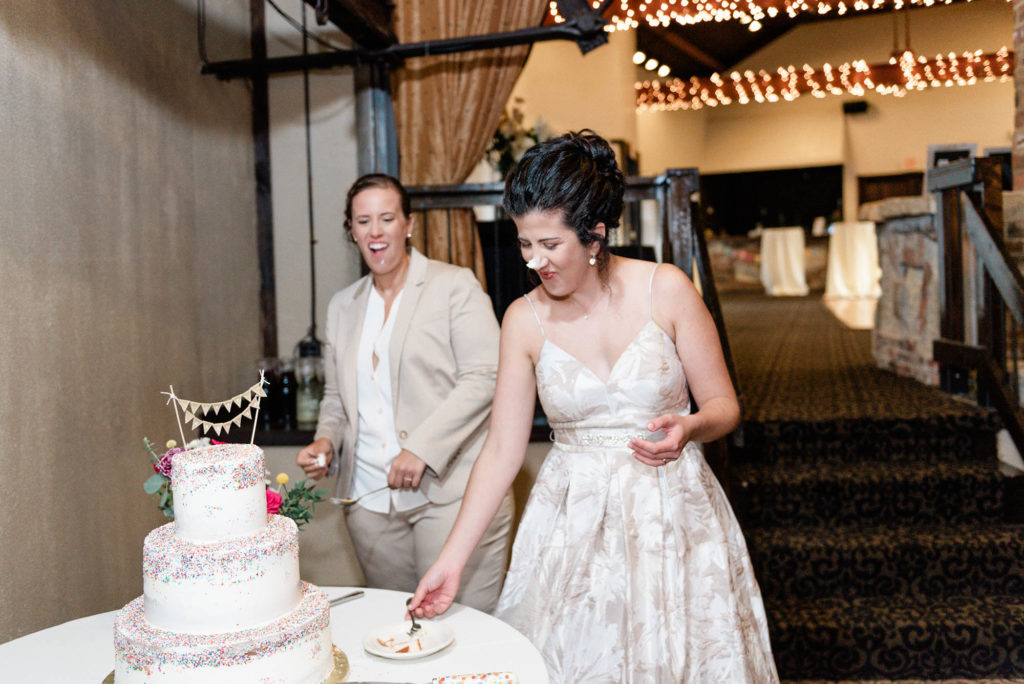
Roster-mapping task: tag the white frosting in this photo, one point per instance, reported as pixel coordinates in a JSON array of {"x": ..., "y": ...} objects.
[
  {"x": 209, "y": 588},
  {"x": 219, "y": 492},
  {"x": 299, "y": 664},
  {"x": 294, "y": 650}
]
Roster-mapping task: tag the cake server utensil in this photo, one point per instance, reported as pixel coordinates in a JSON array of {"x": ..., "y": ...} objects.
[
  {"x": 346, "y": 597},
  {"x": 349, "y": 502}
]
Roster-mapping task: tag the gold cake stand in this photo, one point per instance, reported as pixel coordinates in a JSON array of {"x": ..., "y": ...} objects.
[{"x": 338, "y": 674}]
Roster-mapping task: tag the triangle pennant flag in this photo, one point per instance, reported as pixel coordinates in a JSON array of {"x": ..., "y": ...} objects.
[
  {"x": 196, "y": 423},
  {"x": 217, "y": 427},
  {"x": 247, "y": 413},
  {"x": 255, "y": 404},
  {"x": 237, "y": 400},
  {"x": 208, "y": 407},
  {"x": 189, "y": 417},
  {"x": 237, "y": 420},
  {"x": 258, "y": 390}
]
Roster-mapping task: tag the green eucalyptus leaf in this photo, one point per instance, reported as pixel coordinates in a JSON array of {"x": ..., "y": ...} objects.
[{"x": 153, "y": 484}]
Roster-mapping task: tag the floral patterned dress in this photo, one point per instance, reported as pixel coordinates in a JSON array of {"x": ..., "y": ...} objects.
[{"x": 622, "y": 572}]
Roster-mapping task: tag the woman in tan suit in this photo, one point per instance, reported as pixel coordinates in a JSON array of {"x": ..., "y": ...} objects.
[{"x": 411, "y": 359}]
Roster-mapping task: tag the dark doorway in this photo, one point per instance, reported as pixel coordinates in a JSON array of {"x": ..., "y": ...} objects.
[{"x": 736, "y": 203}]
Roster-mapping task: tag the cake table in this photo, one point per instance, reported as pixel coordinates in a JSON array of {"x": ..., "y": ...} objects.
[{"x": 82, "y": 650}]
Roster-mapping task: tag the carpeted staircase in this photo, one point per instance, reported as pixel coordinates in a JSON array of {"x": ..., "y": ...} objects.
[{"x": 873, "y": 508}]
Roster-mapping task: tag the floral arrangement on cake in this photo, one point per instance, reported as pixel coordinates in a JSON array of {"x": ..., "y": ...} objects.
[
  {"x": 512, "y": 138},
  {"x": 297, "y": 503}
]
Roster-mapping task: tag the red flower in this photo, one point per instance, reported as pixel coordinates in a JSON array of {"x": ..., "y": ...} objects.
[
  {"x": 273, "y": 501},
  {"x": 163, "y": 464}
]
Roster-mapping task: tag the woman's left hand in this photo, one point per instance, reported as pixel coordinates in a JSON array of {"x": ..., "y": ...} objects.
[
  {"x": 668, "y": 449},
  {"x": 406, "y": 471}
]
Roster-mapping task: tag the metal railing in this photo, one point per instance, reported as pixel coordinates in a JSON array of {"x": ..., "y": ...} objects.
[
  {"x": 657, "y": 224},
  {"x": 981, "y": 291}
]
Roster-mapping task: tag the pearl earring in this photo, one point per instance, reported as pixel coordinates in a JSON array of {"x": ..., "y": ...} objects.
[{"x": 593, "y": 260}]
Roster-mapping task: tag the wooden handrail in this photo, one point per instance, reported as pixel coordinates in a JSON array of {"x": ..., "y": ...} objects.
[
  {"x": 970, "y": 214},
  {"x": 980, "y": 360}
]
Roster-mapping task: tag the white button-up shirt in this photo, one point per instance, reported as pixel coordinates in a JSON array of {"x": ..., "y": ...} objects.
[{"x": 377, "y": 443}]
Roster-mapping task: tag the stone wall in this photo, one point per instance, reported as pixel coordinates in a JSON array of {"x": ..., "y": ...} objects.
[{"x": 907, "y": 316}]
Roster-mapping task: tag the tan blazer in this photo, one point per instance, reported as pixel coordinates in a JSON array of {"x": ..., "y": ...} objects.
[{"x": 444, "y": 361}]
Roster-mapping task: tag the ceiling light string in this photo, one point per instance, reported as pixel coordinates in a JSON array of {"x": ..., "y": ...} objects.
[
  {"x": 908, "y": 73},
  {"x": 627, "y": 14}
]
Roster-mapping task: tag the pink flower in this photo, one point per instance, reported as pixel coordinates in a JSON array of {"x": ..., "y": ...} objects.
[
  {"x": 163, "y": 464},
  {"x": 273, "y": 501},
  {"x": 217, "y": 441}
]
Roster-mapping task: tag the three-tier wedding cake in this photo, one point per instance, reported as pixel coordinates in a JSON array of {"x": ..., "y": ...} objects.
[{"x": 222, "y": 599}]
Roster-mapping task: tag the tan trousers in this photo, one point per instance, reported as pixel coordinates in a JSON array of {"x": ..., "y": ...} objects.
[{"x": 396, "y": 550}]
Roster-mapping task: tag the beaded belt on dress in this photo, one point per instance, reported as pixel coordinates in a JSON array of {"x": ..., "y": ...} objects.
[{"x": 595, "y": 437}]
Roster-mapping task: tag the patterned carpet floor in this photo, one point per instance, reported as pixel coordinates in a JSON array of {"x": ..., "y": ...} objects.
[
  {"x": 872, "y": 506},
  {"x": 796, "y": 361}
]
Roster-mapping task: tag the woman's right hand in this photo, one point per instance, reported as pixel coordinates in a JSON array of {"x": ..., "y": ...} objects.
[
  {"x": 436, "y": 591},
  {"x": 315, "y": 458}
]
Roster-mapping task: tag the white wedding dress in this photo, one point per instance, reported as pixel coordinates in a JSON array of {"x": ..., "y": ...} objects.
[{"x": 622, "y": 572}]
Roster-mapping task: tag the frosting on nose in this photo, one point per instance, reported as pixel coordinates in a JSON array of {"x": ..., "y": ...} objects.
[{"x": 536, "y": 262}]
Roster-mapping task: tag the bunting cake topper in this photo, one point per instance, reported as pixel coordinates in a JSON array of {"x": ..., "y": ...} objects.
[{"x": 248, "y": 401}]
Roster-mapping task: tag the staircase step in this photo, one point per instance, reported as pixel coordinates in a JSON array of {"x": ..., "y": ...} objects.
[
  {"x": 852, "y": 561},
  {"x": 965, "y": 435},
  {"x": 891, "y": 638},
  {"x": 809, "y": 494}
]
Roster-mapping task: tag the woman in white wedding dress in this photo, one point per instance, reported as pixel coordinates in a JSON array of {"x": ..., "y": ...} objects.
[{"x": 629, "y": 565}]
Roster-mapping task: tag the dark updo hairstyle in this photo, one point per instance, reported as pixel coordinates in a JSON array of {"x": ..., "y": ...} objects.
[
  {"x": 575, "y": 174},
  {"x": 374, "y": 180}
]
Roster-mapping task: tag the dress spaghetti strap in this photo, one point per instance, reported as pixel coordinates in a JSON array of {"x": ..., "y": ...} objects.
[
  {"x": 539, "y": 325},
  {"x": 650, "y": 294}
]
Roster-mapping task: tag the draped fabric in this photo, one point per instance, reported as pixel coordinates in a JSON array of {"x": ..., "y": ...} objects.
[{"x": 447, "y": 107}]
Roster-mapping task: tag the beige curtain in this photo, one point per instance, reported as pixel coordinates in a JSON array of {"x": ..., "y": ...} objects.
[{"x": 448, "y": 106}]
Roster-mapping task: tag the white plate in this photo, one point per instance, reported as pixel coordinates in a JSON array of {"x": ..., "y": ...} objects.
[{"x": 433, "y": 636}]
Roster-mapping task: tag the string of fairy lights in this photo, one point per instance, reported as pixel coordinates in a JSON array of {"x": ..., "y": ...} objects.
[
  {"x": 628, "y": 14},
  {"x": 903, "y": 73}
]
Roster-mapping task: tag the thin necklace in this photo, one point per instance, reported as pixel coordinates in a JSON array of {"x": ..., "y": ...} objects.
[{"x": 586, "y": 314}]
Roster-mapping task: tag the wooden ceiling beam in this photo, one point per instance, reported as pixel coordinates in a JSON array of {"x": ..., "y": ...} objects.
[
  {"x": 679, "y": 43},
  {"x": 367, "y": 22}
]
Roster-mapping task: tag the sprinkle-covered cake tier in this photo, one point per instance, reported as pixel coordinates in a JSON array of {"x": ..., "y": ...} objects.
[
  {"x": 221, "y": 586},
  {"x": 222, "y": 599},
  {"x": 295, "y": 649},
  {"x": 219, "y": 492}
]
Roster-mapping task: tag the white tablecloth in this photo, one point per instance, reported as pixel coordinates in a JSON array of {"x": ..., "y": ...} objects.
[
  {"x": 853, "y": 270},
  {"x": 83, "y": 650},
  {"x": 782, "y": 261}
]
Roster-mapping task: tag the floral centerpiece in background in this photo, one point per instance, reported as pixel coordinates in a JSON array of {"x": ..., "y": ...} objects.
[
  {"x": 297, "y": 503},
  {"x": 513, "y": 138}
]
